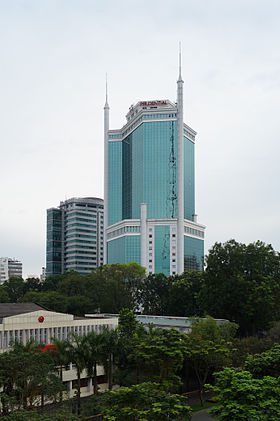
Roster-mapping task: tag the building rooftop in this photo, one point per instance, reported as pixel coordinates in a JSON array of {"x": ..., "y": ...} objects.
[
  {"x": 154, "y": 105},
  {"x": 13, "y": 309}
]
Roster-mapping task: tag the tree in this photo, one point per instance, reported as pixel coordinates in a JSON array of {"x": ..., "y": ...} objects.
[
  {"x": 26, "y": 376},
  {"x": 117, "y": 285},
  {"x": 33, "y": 284},
  {"x": 109, "y": 348},
  {"x": 61, "y": 357},
  {"x": 185, "y": 298},
  {"x": 209, "y": 348},
  {"x": 129, "y": 333},
  {"x": 128, "y": 325},
  {"x": 15, "y": 288},
  {"x": 249, "y": 345},
  {"x": 265, "y": 364},
  {"x": 153, "y": 294},
  {"x": 145, "y": 401},
  {"x": 4, "y": 296},
  {"x": 159, "y": 355},
  {"x": 242, "y": 284},
  {"x": 241, "y": 397},
  {"x": 92, "y": 354},
  {"x": 77, "y": 355},
  {"x": 52, "y": 300},
  {"x": 273, "y": 334},
  {"x": 79, "y": 305}
]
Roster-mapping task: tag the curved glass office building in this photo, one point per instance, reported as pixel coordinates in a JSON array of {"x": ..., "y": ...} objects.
[{"x": 149, "y": 189}]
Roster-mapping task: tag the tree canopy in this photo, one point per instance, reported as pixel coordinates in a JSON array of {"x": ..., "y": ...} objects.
[
  {"x": 242, "y": 284},
  {"x": 242, "y": 397}
]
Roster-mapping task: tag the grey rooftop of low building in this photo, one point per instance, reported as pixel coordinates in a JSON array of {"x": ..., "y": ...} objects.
[{"x": 13, "y": 309}]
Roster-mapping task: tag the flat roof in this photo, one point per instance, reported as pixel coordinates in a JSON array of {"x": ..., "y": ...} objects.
[{"x": 13, "y": 309}]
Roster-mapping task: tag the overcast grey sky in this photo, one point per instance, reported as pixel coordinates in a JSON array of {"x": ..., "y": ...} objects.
[{"x": 54, "y": 55}]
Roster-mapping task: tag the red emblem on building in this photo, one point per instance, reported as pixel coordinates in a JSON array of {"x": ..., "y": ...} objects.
[{"x": 41, "y": 319}]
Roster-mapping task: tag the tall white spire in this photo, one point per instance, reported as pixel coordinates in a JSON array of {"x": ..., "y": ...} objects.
[
  {"x": 106, "y": 90},
  {"x": 180, "y": 124},
  {"x": 180, "y": 64},
  {"x": 106, "y": 136}
]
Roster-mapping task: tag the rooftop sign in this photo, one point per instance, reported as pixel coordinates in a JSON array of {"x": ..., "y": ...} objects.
[{"x": 152, "y": 103}]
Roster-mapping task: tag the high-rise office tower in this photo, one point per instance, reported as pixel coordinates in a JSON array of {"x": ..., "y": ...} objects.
[
  {"x": 149, "y": 189},
  {"x": 9, "y": 268},
  {"x": 75, "y": 236}
]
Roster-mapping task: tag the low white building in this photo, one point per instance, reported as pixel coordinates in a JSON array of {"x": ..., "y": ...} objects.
[{"x": 22, "y": 322}]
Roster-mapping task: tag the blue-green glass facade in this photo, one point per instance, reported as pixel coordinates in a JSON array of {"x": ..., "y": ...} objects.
[
  {"x": 143, "y": 168},
  {"x": 194, "y": 253},
  {"x": 124, "y": 249},
  {"x": 115, "y": 182},
  {"x": 54, "y": 242},
  {"x": 162, "y": 249}
]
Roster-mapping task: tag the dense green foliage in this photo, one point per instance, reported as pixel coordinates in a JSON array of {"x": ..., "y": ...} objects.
[
  {"x": 242, "y": 397},
  {"x": 27, "y": 378},
  {"x": 266, "y": 363},
  {"x": 144, "y": 401},
  {"x": 209, "y": 348},
  {"x": 241, "y": 283}
]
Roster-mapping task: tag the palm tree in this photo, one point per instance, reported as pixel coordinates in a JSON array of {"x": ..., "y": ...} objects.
[
  {"x": 93, "y": 347},
  {"x": 108, "y": 350},
  {"x": 61, "y": 357},
  {"x": 76, "y": 349}
]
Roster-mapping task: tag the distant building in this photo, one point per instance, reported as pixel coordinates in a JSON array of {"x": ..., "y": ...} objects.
[
  {"x": 23, "y": 322},
  {"x": 75, "y": 236},
  {"x": 149, "y": 191},
  {"x": 43, "y": 274},
  {"x": 183, "y": 324},
  {"x": 8, "y": 268}
]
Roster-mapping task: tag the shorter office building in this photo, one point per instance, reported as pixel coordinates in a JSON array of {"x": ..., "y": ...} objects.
[
  {"x": 9, "y": 268},
  {"x": 75, "y": 236},
  {"x": 22, "y": 322}
]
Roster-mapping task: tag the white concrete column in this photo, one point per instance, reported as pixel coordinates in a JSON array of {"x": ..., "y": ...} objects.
[
  {"x": 106, "y": 141},
  {"x": 90, "y": 386},
  {"x": 23, "y": 337},
  {"x": 180, "y": 128},
  {"x": 47, "y": 335},
  {"x": 69, "y": 387},
  {"x": 143, "y": 231}
]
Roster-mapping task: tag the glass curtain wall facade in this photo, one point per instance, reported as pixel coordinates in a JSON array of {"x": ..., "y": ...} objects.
[
  {"x": 143, "y": 169},
  {"x": 75, "y": 236}
]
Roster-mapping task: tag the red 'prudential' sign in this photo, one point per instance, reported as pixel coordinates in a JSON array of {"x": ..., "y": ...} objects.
[{"x": 151, "y": 103}]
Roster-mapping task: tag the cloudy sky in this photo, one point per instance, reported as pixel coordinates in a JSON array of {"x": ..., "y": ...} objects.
[{"x": 54, "y": 55}]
